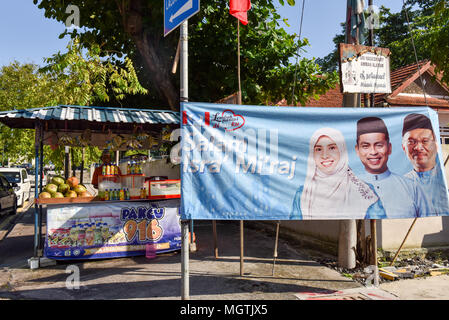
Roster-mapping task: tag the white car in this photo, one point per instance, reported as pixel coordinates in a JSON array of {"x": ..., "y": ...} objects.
[{"x": 20, "y": 177}]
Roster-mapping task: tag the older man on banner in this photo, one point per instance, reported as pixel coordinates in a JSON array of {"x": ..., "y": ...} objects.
[{"x": 420, "y": 146}]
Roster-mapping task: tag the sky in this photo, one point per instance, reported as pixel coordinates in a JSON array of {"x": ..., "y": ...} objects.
[{"x": 28, "y": 37}]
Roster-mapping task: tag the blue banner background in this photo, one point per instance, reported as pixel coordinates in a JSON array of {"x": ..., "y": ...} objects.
[{"x": 220, "y": 193}]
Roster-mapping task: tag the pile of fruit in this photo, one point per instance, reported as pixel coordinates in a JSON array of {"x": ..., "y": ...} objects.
[{"x": 60, "y": 188}]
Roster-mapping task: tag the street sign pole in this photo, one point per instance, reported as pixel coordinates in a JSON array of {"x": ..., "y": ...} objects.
[
  {"x": 184, "y": 97},
  {"x": 176, "y": 13}
]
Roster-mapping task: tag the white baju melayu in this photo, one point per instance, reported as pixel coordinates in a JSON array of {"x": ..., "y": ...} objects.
[
  {"x": 401, "y": 197},
  {"x": 432, "y": 183}
]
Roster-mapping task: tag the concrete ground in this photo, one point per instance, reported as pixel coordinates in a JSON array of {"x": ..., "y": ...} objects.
[{"x": 210, "y": 278}]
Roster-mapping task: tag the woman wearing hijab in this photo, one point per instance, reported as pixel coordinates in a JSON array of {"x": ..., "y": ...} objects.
[{"x": 331, "y": 189}]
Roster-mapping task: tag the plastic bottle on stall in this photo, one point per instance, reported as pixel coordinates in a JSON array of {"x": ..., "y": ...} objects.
[
  {"x": 139, "y": 168},
  {"x": 103, "y": 170},
  {"x": 122, "y": 194},
  {"x": 128, "y": 168},
  {"x": 106, "y": 195},
  {"x": 117, "y": 194},
  {"x": 115, "y": 169},
  {"x": 127, "y": 196}
]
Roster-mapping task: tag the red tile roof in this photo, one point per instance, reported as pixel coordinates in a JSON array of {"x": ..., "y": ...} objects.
[{"x": 401, "y": 78}]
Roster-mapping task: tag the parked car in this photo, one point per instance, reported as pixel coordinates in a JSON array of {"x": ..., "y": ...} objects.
[
  {"x": 20, "y": 177},
  {"x": 31, "y": 176},
  {"x": 8, "y": 198}
]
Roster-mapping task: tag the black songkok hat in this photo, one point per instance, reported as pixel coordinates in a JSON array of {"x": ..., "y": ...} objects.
[
  {"x": 372, "y": 125},
  {"x": 416, "y": 121}
]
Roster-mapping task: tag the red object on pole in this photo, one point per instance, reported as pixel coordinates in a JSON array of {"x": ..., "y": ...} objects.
[{"x": 239, "y": 8}]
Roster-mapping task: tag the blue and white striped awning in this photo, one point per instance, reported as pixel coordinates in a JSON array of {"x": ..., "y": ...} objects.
[{"x": 93, "y": 115}]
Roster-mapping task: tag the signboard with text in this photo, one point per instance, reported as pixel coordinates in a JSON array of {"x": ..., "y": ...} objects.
[
  {"x": 109, "y": 230},
  {"x": 364, "y": 69}
]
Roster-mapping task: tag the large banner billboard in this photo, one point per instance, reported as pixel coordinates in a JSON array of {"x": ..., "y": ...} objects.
[
  {"x": 286, "y": 163},
  {"x": 110, "y": 230}
]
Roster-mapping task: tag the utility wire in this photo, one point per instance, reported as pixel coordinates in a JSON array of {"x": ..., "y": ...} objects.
[
  {"x": 414, "y": 49},
  {"x": 297, "y": 54}
]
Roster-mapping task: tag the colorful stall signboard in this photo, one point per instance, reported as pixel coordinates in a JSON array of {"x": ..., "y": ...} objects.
[
  {"x": 283, "y": 163},
  {"x": 110, "y": 230}
]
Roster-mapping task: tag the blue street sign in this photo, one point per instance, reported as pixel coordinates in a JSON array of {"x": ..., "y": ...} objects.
[{"x": 177, "y": 11}]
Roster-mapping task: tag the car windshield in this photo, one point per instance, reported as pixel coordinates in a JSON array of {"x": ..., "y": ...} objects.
[{"x": 12, "y": 176}]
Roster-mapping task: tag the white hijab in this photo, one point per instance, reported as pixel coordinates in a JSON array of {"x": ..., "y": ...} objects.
[{"x": 339, "y": 194}]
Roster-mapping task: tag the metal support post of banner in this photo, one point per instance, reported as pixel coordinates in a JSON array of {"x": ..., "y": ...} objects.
[
  {"x": 275, "y": 253},
  {"x": 184, "y": 96},
  {"x": 347, "y": 241},
  {"x": 241, "y": 248},
  {"x": 185, "y": 260},
  {"x": 37, "y": 129},
  {"x": 214, "y": 231}
]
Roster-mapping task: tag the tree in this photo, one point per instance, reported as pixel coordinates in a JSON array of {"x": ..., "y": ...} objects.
[
  {"x": 437, "y": 38},
  {"x": 424, "y": 20},
  {"x": 73, "y": 78},
  {"x": 135, "y": 29}
]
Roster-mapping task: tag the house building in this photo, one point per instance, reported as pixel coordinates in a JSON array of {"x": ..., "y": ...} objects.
[{"x": 412, "y": 85}]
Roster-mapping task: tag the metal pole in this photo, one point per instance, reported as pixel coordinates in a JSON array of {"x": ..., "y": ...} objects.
[
  {"x": 184, "y": 96},
  {"x": 347, "y": 240},
  {"x": 241, "y": 248},
  {"x": 275, "y": 254},
  {"x": 36, "y": 186},
  {"x": 238, "y": 61},
  {"x": 373, "y": 222},
  {"x": 66, "y": 166},
  {"x": 374, "y": 251},
  {"x": 185, "y": 260},
  {"x": 371, "y": 43},
  {"x": 214, "y": 231},
  {"x": 41, "y": 177},
  {"x": 239, "y": 102},
  {"x": 184, "y": 62}
]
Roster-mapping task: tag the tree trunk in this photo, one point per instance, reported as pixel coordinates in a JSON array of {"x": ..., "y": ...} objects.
[
  {"x": 158, "y": 72},
  {"x": 147, "y": 47}
]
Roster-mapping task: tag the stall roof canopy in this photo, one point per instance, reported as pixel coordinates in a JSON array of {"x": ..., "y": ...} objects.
[{"x": 74, "y": 118}]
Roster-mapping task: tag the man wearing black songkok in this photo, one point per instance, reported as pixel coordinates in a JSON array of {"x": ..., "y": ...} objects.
[
  {"x": 420, "y": 146},
  {"x": 401, "y": 197}
]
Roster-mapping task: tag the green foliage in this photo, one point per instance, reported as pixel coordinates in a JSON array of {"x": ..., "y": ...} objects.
[
  {"x": 438, "y": 39},
  {"x": 429, "y": 27},
  {"x": 72, "y": 78},
  {"x": 84, "y": 78},
  {"x": 135, "y": 28}
]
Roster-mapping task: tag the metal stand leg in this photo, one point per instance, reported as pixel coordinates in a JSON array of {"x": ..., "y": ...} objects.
[
  {"x": 241, "y": 248},
  {"x": 185, "y": 260},
  {"x": 214, "y": 231},
  {"x": 275, "y": 254}
]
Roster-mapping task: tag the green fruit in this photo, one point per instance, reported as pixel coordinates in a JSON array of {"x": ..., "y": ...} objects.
[
  {"x": 57, "y": 181},
  {"x": 57, "y": 195},
  {"x": 44, "y": 195},
  {"x": 51, "y": 188},
  {"x": 71, "y": 194},
  {"x": 63, "y": 188}
]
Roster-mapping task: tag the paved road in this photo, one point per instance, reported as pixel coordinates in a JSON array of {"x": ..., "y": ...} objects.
[{"x": 210, "y": 278}]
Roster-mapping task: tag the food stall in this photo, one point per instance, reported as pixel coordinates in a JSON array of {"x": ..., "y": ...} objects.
[{"x": 133, "y": 212}]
